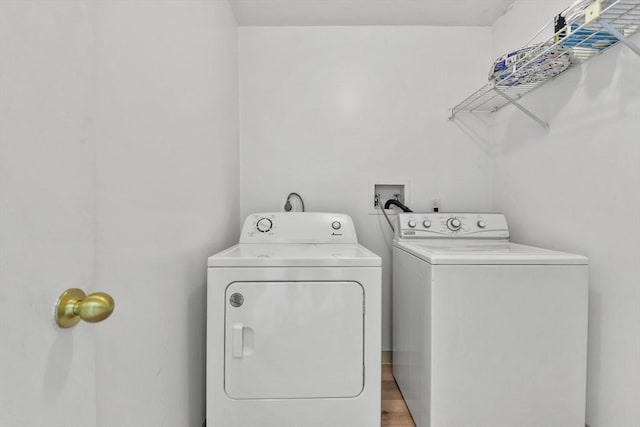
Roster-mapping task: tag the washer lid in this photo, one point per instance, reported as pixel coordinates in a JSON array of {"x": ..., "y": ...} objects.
[
  {"x": 295, "y": 255},
  {"x": 449, "y": 251}
]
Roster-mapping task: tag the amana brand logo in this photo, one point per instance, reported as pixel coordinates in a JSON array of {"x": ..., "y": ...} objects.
[{"x": 336, "y": 234}]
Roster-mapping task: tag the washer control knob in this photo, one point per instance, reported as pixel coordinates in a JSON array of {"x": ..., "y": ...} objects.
[
  {"x": 426, "y": 223},
  {"x": 454, "y": 224},
  {"x": 412, "y": 224},
  {"x": 482, "y": 224},
  {"x": 264, "y": 225},
  {"x": 336, "y": 225}
]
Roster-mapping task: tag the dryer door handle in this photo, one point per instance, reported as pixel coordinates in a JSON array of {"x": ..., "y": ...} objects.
[{"x": 237, "y": 340}]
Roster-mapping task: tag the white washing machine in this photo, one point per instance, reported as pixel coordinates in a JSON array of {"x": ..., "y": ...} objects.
[
  {"x": 294, "y": 326},
  {"x": 487, "y": 333}
]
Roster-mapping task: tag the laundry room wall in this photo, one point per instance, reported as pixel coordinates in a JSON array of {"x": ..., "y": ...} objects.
[
  {"x": 119, "y": 173},
  {"x": 165, "y": 130},
  {"x": 575, "y": 189},
  {"x": 329, "y": 111}
]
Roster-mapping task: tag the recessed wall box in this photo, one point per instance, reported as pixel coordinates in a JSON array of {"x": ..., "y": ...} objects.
[{"x": 384, "y": 192}]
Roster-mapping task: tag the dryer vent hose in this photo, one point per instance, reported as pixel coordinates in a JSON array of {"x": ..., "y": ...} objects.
[{"x": 398, "y": 204}]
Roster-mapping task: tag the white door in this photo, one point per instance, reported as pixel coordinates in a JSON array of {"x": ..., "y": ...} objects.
[
  {"x": 46, "y": 246},
  {"x": 46, "y": 218},
  {"x": 294, "y": 340}
]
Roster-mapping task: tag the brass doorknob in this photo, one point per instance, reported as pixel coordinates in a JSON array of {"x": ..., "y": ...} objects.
[{"x": 74, "y": 305}]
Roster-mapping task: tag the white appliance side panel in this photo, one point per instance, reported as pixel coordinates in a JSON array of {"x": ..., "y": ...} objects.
[
  {"x": 509, "y": 345},
  {"x": 291, "y": 340},
  {"x": 412, "y": 332}
]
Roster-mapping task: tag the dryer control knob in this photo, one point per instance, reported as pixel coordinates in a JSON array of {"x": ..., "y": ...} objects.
[
  {"x": 336, "y": 225},
  {"x": 412, "y": 224},
  {"x": 264, "y": 225},
  {"x": 454, "y": 224},
  {"x": 482, "y": 224},
  {"x": 426, "y": 223}
]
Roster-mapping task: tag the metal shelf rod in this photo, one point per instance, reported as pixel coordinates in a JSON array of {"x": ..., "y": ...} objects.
[
  {"x": 521, "y": 108},
  {"x": 613, "y": 30}
]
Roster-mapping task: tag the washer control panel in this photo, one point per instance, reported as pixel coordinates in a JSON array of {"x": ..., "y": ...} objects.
[
  {"x": 413, "y": 225},
  {"x": 298, "y": 227}
]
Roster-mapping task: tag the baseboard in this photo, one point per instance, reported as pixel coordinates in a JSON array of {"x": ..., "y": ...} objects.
[{"x": 387, "y": 357}]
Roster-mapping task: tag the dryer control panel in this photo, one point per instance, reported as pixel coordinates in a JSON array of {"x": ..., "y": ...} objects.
[
  {"x": 298, "y": 227},
  {"x": 411, "y": 226}
]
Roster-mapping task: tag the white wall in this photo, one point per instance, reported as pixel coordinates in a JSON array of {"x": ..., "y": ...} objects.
[
  {"x": 577, "y": 189},
  {"x": 119, "y": 172},
  {"x": 165, "y": 129},
  {"x": 325, "y": 111}
]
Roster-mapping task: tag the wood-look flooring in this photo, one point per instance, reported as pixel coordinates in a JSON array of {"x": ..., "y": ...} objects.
[{"x": 394, "y": 411}]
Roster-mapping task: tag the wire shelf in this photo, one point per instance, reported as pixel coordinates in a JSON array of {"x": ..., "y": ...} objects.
[{"x": 598, "y": 28}]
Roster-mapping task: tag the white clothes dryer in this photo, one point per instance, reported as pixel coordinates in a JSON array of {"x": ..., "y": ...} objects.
[
  {"x": 294, "y": 325},
  {"x": 487, "y": 333}
]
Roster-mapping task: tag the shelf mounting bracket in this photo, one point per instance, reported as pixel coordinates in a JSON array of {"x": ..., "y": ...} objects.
[
  {"x": 521, "y": 108},
  {"x": 617, "y": 34}
]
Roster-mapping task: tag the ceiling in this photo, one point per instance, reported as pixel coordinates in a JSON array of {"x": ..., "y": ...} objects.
[{"x": 368, "y": 12}]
